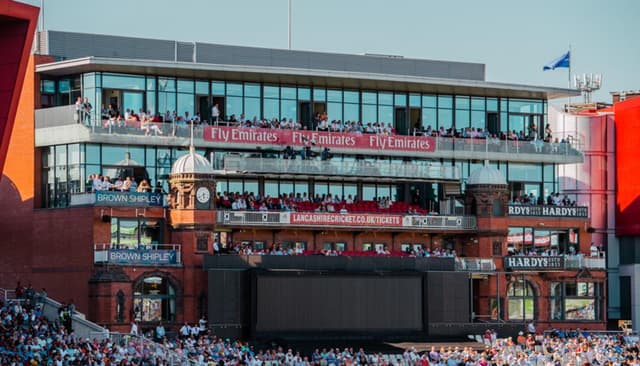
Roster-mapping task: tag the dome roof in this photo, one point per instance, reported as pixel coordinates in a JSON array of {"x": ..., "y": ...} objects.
[
  {"x": 192, "y": 163},
  {"x": 486, "y": 175}
]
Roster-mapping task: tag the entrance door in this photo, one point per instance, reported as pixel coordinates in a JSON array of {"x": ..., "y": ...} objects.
[
  {"x": 220, "y": 102},
  {"x": 415, "y": 120},
  {"x": 112, "y": 97},
  {"x": 401, "y": 121},
  {"x": 305, "y": 115},
  {"x": 493, "y": 123},
  {"x": 203, "y": 107}
]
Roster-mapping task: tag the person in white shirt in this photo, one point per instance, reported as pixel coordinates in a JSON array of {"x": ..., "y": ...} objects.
[
  {"x": 215, "y": 113},
  {"x": 134, "y": 329},
  {"x": 185, "y": 330}
]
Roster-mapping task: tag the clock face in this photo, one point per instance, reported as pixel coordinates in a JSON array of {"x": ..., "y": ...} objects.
[{"x": 203, "y": 195}]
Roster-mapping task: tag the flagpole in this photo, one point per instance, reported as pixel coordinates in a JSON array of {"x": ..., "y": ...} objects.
[{"x": 569, "y": 76}]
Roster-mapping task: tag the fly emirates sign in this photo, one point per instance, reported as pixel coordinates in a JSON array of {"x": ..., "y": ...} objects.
[{"x": 253, "y": 136}]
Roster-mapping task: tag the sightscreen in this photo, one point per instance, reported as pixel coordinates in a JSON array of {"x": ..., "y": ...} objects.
[{"x": 338, "y": 303}]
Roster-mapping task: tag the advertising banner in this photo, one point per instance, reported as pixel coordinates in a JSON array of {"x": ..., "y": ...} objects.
[
  {"x": 129, "y": 199},
  {"x": 142, "y": 256},
  {"x": 253, "y": 136},
  {"x": 521, "y": 263},
  {"x": 314, "y": 218}
]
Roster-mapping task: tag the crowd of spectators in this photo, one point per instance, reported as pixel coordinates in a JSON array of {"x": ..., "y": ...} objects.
[
  {"x": 97, "y": 182},
  {"x": 250, "y": 201},
  {"x": 29, "y": 338},
  {"x": 553, "y": 199}
]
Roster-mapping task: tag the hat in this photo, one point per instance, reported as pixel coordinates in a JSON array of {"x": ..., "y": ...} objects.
[{"x": 520, "y": 333}]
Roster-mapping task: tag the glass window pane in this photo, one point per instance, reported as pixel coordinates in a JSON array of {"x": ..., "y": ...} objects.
[
  {"x": 234, "y": 89},
  {"x": 429, "y": 117},
  {"x": 445, "y": 118},
  {"x": 151, "y": 83},
  {"x": 151, "y": 102},
  {"x": 73, "y": 154},
  {"x": 64, "y": 86},
  {"x": 301, "y": 187},
  {"x": 445, "y": 101},
  {"x": 321, "y": 188},
  {"x": 252, "y": 107},
  {"x": 166, "y": 102},
  {"x": 92, "y": 154},
  {"x": 185, "y": 86},
  {"x": 271, "y": 91},
  {"x": 369, "y": 113},
  {"x": 319, "y": 94},
  {"x": 385, "y": 114},
  {"x": 113, "y": 81},
  {"x": 580, "y": 309},
  {"x": 385, "y": 98},
  {"x": 351, "y": 112},
  {"x": 271, "y": 108},
  {"x": 492, "y": 104},
  {"x": 286, "y": 187},
  {"x": 234, "y": 106},
  {"x": 478, "y": 119},
  {"x": 334, "y": 110},
  {"x": 429, "y": 101},
  {"x": 334, "y": 95},
  {"x": 369, "y": 97},
  {"x": 462, "y": 118},
  {"x": 414, "y": 100},
  {"x": 525, "y": 106},
  {"x": 351, "y": 97},
  {"x": 400, "y": 100},
  {"x": 202, "y": 87},
  {"x": 167, "y": 84},
  {"x": 462, "y": 102},
  {"x": 48, "y": 87},
  {"x": 251, "y": 90},
  {"x": 251, "y": 186},
  {"x": 517, "y": 123},
  {"x": 525, "y": 172},
  {"x": 217, "y": 87},
  {"x": 304, "y": 94},
  {"x": 477, "y": 104},
  {"x": 288, "y": 109},
  {"x": 235, "y": 186},
  {"x": 350, "y": 190},
  {"x": 89, "y": 80},
  {"x": 368, "y": 192},
  {"x": 288, "y": 93},
  {"x": 185, "y": 104}
]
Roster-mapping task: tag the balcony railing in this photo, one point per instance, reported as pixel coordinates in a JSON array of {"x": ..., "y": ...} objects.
[
  {"x": 140, "y": 255},
  {"x": 340, "y": 168},
  {"x": 580, "y": 261},
  {"x": 344, "y": 220},
  {"x": 475, "y": 264},
  {"x": 548, "y": 211},
  {"x": 95, "y": 128}
]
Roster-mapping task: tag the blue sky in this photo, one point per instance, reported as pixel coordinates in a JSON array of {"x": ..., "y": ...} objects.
[{"x": 513, "y": 38}]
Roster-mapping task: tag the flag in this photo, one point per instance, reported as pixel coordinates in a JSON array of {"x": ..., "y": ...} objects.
[{"x": 562, "y": 61}]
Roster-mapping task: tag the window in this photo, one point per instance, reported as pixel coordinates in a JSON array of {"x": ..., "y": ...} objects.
[
  {"x": 573, "y": 301},
  {"x": 132, "y": 233},
  {"x": 154, "y": 299},
  {"x": 520, "y": 300}
]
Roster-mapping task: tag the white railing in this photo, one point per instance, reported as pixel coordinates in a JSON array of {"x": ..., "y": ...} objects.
[
  {"x": 475, "y": 264},
  {"x": 340, "y": 168},
  {"x": 580, "y": 261}
]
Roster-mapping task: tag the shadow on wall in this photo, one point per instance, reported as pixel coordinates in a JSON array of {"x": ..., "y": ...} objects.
[{"x": 627, "y": 222}]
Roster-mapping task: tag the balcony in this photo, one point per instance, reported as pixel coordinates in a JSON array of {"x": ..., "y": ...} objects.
[
  {"x": 57, "y": 125},
  {"x": 554, "y": 263},
  {"x": 340, "y": 168},
  {"x": 143, "y": 255},
  {"x": 344, "y": 220},
  {"x": 118, "y": 199},
  {"x": 581, "y": 212}
]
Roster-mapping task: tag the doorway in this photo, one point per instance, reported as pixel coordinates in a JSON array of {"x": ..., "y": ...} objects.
[
  {"x": 401, "y": 121},
  {"x": 493, "y": 123},
  {"x": 220, "y": 102},
  {"x": 305, "y": 115},
  {"x": 415, "y": 120},
  {"x": 202, "y": 107}
]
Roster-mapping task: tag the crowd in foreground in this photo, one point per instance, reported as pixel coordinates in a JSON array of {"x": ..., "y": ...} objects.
[{"x": 28, "y": 338}]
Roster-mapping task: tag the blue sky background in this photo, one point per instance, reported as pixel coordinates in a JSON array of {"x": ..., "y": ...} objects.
[{"x": 513, "y": 38}]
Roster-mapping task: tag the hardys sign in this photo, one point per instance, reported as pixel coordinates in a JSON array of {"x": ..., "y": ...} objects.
[
  {"x": 131, "y": 199},
  {"x": 258, "y": 136},
  {"x": 142, "y": 256},
  {"x": 548, "y": 211},
  {"x": 521, "y": 263}
]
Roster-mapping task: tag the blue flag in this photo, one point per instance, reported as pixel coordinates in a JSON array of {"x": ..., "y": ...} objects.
[{"x": 562, "y": 61}]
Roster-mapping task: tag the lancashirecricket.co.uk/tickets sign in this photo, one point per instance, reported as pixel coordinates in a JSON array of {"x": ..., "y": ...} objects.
[{"x": 300, "y": 138}]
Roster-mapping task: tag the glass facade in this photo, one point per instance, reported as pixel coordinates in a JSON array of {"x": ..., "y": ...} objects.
[
  {"x": 247, "y": 100},
  {"x": 576, "y": 301}
]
